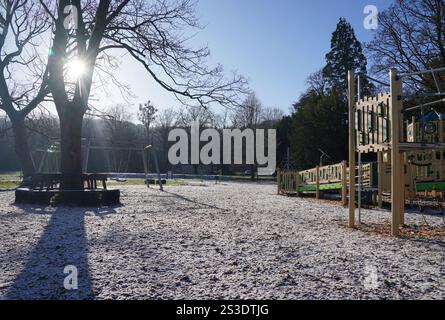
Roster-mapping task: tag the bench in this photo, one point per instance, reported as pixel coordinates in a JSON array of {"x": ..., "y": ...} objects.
[
  {"x": 51, "y": 181},
  {"x": 92, "y": 179}
]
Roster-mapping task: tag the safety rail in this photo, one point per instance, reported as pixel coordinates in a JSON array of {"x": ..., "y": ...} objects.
[
  {"x": 327, "y": 178},
  {"x": 327, "y": 174}
]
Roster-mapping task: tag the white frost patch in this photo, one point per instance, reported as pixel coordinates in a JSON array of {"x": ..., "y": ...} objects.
[{"x": 229, "y": 241}]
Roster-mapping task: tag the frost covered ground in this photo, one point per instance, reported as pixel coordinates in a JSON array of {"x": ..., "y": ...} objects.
[{"x": 230, "y": 241}]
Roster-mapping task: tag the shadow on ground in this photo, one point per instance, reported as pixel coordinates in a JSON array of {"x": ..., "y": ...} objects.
[
  {"x": 63, "y": 243},
  {"x": 209, "y": 206}
]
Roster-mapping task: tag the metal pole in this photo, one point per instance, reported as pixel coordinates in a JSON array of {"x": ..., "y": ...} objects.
[
  {"x": 161, "y": 187},
  {"x": 359, "y": 164},
  {"x": 397, "y": 190},
  {"x": 317, "y": 194},
  {"x": 352, "y": 148},
  {"x": 378, "y": 81},
  {"x": 42, "y": 161},
  {"x": 422, "y": 95},
  {"x": 423, "y": 105},
  {"x": 422, "y": 122},
  {"x": 436, "y": 83},
  {"x": 417, "y": 73},
  {"x": 145, "y": 159}
]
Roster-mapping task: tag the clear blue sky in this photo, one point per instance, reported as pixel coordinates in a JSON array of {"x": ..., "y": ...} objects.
[{"x": 275, "y": 44}]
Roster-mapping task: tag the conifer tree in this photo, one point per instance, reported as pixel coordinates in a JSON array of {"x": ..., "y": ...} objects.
[{"x": 346, "y": 54}]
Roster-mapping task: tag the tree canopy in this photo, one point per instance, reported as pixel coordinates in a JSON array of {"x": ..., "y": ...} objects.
[{"x": 410, "y": 37}]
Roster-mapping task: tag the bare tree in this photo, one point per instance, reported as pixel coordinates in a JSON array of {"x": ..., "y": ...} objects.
[
  {"x": 118, "y": 122},
  {"x": 21, "y": 23},
  {"x": 222, "y": 119},
  {"x": 411, "y": 37},
  {"x": 147, "y": 115},
  {"x": 271, "y": 116},
  {"x": 5, "y": 126},
  {"x": 43, "y": 123},
  {"x": 167, "y": 118},
  {"x": 205, "y": 116},
  {"x": 121, "y": 135},
  {"x": 317, "y": 83},
  {"x": 152, "y": 33},
  {"x": 249, "y": 113}
]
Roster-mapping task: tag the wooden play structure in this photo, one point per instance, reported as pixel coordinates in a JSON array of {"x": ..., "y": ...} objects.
[
  {"x": 410, "y": 152},
  {"x": 327, "y": 179}
]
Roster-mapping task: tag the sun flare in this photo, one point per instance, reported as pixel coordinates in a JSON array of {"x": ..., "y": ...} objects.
[{"x": 76, "y": 68}]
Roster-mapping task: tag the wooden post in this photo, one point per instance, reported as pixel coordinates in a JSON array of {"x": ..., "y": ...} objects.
[
  {"x": 397, "y": 163},
  {"x": 161, "y": 187},
  {"x": 278, "y": 181},
  {"x": 403, "y": 187},
  {"x": 298, "y": 183},
  {"x": 344, "y": 183},
  {"x": 318, "y": 183},
  {"x": 412, "y": 182},
  {"x": 403, "y": 155},
  {"x": 380, "y": 179},
  {"x": 359, "y": 193},
  {"x": 144, "y": 159},
  {"x": 352, "y": 142}
]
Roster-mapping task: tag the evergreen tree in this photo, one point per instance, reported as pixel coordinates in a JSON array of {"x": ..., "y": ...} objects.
[
  {"x": 320, "y": 119},
  {"x": 284, "y": 141},
  {"x": 318, "y": 123},
  {"x": 346, "y": 54}
]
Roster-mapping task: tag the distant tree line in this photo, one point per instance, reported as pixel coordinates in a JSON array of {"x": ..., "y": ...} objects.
[{"x": 117, "y": 128}]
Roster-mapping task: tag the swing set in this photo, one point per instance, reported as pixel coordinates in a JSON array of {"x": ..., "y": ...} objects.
[{"x": 116, "y": 160}]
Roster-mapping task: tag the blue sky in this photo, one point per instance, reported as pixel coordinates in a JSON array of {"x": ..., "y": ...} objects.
[{"x": 275, "y": 44}]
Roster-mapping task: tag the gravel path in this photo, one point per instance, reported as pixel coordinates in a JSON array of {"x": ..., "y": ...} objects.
[{"x": 230, "y": 241}]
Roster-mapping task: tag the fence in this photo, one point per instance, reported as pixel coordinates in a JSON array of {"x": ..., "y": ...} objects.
[{"x": 322, "y": 179}]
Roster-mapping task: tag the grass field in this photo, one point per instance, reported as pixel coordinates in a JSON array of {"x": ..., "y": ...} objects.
[
  {"x": 141, "y": 182},
  {"x": 9, "y": 180}
]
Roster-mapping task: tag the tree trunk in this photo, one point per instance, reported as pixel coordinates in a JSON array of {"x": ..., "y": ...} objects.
[
  {"x": 71, "y": 149},
  {"x": 21, "y": 145}
]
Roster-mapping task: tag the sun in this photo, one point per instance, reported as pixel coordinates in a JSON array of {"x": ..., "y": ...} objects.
[{"x": 76, "y": 68}]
